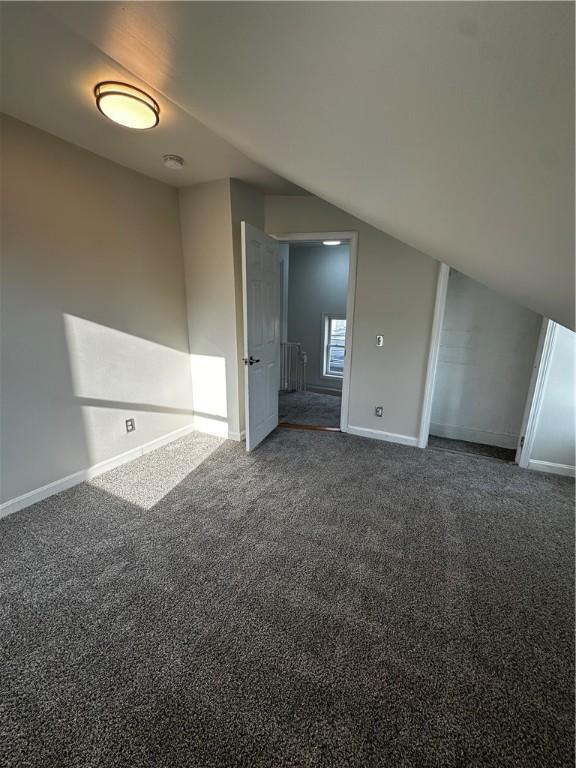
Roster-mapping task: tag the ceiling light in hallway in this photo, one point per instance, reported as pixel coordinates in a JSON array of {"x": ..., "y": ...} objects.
[
  {"x": 331, "y": 242},
  {"x": 174, "y": 162},
  {"x": 127, "y": 105}
]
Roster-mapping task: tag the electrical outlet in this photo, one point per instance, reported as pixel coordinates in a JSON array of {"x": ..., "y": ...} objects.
[
  {"x": 130, "y": 425},
  {"x": 378, "y": 410}
]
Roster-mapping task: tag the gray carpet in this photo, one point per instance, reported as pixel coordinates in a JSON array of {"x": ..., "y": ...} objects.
[
  {"x": 324, "y": 601},
  {"x": 476, "y": 449},
  {"x": 310, "y": 408}
]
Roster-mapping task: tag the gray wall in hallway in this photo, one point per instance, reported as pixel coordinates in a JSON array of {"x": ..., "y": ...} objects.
[{"x": 317, "y": 286}]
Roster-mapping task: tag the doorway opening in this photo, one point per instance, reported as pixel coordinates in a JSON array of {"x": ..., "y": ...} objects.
[
  {"x": 314, "y": 324},
  {"x": 297, "y": 329},
  {"x": 483, "y": 353}
]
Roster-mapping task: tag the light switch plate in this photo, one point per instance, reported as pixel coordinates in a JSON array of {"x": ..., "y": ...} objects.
[{"x": 379, "y": 341}]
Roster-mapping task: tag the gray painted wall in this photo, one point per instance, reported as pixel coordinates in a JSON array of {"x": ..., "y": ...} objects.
[
  {"x": 211, "y": 215},
  {"x": 487, "y": 351},
  {"x": 211, "y": 304},
  {"x": 93, "y": 310},
  {"x": 317, "y": 285}
]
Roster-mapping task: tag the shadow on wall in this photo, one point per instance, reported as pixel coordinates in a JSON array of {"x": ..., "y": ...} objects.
[
  {"x": 74, "y": 392},
  {"x": 114, "y": 375},
  {"x": 93, "y": 311},
  {"x": 116, "y": 371}
]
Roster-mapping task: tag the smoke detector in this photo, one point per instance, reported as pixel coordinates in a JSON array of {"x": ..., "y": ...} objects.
[{"x": 174, "y": 162}]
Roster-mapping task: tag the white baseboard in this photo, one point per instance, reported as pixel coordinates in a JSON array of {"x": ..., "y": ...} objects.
[
  {"x": 550, "y": 466},
  {"x": 378, "y": 434},
  {"x": 31, "y": 497},
  {"x": 502, "y": 440},
  {"x": 199, "y": 424}
]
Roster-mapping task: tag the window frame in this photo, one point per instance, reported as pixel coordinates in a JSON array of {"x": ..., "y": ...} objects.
[{"x": 325, "y": 357}]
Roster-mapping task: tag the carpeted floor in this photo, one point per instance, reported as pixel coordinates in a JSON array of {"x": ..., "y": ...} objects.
[
  {"x": 310, "y": 408},
  {"x": 325, "y": 601},
  {"x": 476, "y": 449}
]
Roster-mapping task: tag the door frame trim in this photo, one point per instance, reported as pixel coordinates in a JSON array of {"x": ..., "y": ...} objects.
[
  {"x": 543, "y": 358},
  {"x": 538, "y": 378},
  {"x": 435, "y": 336},
  {"x": 352, "y": 238}
]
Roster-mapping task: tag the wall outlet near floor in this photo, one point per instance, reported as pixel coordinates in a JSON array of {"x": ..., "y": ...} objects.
[
  {"x": 130, "y": 425},
  {"x": 378, "y": 410}
]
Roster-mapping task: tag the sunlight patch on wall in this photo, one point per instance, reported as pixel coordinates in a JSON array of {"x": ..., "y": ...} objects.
[
  {"x": 209, "y": 385},
  {"x": 118, "y": 376},
  {"x": 108, "y": 364}
]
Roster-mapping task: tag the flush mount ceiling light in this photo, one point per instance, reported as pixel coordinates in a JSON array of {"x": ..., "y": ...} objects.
[
  {"x": 174, "y": 162},
  {"x": 331, "y": 242},
  {"x": 127, "y": 105}
]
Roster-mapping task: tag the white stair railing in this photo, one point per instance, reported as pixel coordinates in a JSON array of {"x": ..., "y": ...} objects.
[{"x": 292, "y": 367}]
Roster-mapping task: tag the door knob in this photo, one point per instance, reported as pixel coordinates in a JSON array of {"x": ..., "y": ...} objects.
[{"x": 250, "y": 361}]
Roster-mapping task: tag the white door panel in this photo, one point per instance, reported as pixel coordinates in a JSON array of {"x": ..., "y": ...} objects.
[{"x": 261, "y": 291}]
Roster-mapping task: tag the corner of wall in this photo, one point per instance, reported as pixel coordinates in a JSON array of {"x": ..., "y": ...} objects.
[{"x": 211, "y": 214}]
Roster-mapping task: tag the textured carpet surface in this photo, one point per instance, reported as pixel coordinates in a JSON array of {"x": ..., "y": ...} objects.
[
  {"x": 310, "y": 408},
  {"x": 325, "y": 601},
  {"x": 477, "y": 449}
]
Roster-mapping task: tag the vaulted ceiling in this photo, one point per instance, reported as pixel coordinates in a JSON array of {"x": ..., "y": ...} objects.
[
  {"x": 48, "y": 76},
  {"x": 448, "y": 125}
]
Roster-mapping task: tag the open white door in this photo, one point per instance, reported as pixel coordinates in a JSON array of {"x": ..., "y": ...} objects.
[{"x": 261, "y": 290}]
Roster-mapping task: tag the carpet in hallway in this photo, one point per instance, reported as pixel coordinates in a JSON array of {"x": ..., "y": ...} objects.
[{"x": 310, "y": 408}]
